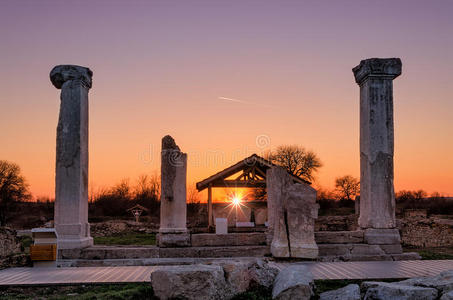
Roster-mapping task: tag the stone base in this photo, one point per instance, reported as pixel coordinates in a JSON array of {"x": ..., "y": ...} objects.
[
  {"x": 173, "y": 239},
  {"x": 79, "y": 243},
  {"x": 305, "y": 251},
  {"x": 279, "y": 250},
  {"x": 375, "y": 236}
]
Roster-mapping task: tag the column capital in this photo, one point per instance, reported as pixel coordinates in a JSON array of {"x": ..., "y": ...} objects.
[
  {"x": 62, "y": 73},
  {"x": 377, "y": 67}
]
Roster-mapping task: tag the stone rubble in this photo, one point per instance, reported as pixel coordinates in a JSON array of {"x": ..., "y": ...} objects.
[
  {"x": 349, "y": 292},
  {"x": 293, "y": 282},
  {"x": 393, "y": 291}
]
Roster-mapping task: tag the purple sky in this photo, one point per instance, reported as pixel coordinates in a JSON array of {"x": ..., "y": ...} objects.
[{"x": 161, "y": 66}]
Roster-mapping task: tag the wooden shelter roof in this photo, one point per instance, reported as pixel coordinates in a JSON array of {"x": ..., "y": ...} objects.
[{"x": 253, "y": 174}]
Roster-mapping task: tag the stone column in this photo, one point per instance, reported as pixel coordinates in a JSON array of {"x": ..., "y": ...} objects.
[
  {"x": 71, "y": 180},
  {"x": 292, "y": 211},
  {"x": 173, "y": 208},
  {"x": 276, "y": 183},
  {"x": 377, "y": 201}
]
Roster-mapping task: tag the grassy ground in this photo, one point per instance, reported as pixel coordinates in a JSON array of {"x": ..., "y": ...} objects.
[
  {"x": 82, "y": 292},
  {"x": 131, "y": 238},
  {"x": 432, "y": 253},
  {"x": 137, "y": 291}
]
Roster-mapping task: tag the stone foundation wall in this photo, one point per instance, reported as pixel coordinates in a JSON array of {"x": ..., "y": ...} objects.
[
  {"x": 10, "y": 249},
  {"x": 426, "y": 232},
  {"x": 336, "y": 223}
]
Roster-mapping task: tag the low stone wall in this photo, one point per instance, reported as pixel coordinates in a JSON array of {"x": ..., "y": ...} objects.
[
  {"x": 426, "y": 232},
  {"x": 10, "y": 249},
  {"x": 336, "y": 223},
  {"x": 114, "y": 227}
]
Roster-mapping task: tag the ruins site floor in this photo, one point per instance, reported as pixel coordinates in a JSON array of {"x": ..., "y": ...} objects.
[{"x": 320, "y": 270}]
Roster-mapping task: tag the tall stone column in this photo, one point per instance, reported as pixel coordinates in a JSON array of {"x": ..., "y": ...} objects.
[
  {"x": 71, "y": 180},
  {"x": 173, "y": 208},
  {"x": 377, "y": 200}
]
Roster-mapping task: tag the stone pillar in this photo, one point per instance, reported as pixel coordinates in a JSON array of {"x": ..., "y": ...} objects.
[
  {"x": 173, "y": 208},
  {"x": 377, "y": 200},
  {"x": 71, "y": 180},
  {"x": 292, "y": 211}
]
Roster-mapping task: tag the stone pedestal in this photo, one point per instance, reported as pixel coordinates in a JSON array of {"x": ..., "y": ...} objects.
[
  {"x": 377, "y": 200},
  {"x": 71, "y": 180},
  {"x": 292, "y": 212},
  {"x": 173, "y": 208}
]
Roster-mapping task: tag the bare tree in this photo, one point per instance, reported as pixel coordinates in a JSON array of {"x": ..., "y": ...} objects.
[
  {"x": 347, "y": 187},
  {"x": 297, "y": 160},
  {"x": 13, "y": 188},
  {"x": 193, "y": 196}
]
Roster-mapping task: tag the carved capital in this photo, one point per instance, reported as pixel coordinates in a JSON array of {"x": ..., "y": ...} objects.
[
  {"x": 63, "y": 73},
  {"x": 377, "y": 67}
]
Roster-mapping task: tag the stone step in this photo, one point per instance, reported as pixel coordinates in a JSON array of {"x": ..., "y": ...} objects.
[
  {"x": 358, "y": 249},
  {"x": 124, "y": 252},
  {"x": 259, "y": 238},
  {"x": 230, "y": 239},
  {"x": 339, "y": 237},
  {"x": 145, "y": 261}
]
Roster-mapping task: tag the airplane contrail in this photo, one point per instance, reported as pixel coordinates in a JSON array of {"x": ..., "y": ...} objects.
[
  {"x": 233, "y": 100},
  {"x": 244, "y": 102}
]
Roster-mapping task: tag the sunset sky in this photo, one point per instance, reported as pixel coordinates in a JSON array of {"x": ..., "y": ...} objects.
[{"x": 221, "y": 75}]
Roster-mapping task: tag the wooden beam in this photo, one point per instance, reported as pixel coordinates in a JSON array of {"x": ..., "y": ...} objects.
[
  {"x": 210, "y": 220},
  {"x": 238, "y": 183}
]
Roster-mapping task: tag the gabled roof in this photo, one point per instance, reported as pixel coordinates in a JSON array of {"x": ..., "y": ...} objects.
[
  {"x": 138, "y": 206},
  {"x": 254, "y": 161}
]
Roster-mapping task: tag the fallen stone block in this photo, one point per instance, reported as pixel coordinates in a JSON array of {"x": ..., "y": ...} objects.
[
  {"x": 395, "y": 291},
  {"x": 442, "y": 282},
  {"x": 447, "y": 296},
  {"x": 242, "y": 275},
  {"x": 189, "y": 282},
  {"x": 349, "y": 292},
  {"x": 293, "y": 282}
]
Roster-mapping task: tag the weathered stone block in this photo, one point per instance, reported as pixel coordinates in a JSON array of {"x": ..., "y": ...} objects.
[
  {"x": 406, "y": 256},
  {"x": 349, "y": 292},
  {"x": 293, "y": 282},
  {"x": 292, "y": 210},
  {"x": 180, "y": 239},
  {"x": 339, "y": 237},
  {"x": 231, "y": 239},
  {"x": 364, "y": 249},
  {"x": 382, "y": 236},
  {"x": 392, "y": 249},
  {"x": 189, "y": 282},
  {"x": 386, "y": 291},
  {"x": 442, "y": 282},
  {"x": 334, "y": 249}
]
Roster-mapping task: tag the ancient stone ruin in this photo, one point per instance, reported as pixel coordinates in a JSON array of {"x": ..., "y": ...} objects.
[
  {"x": 71, "y": 177},
  {"x": 173, "y": 208},
  {"x": 377, "y": 198},
  {"x": 292, "y": 210},
  {"x": 283, "y": 227}
]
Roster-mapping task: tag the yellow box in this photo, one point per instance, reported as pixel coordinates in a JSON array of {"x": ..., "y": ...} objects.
[{"x": 43, "y": 252}]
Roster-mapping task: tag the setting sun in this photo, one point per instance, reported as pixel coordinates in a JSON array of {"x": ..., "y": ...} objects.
[{"x": 236, "y": 200}]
